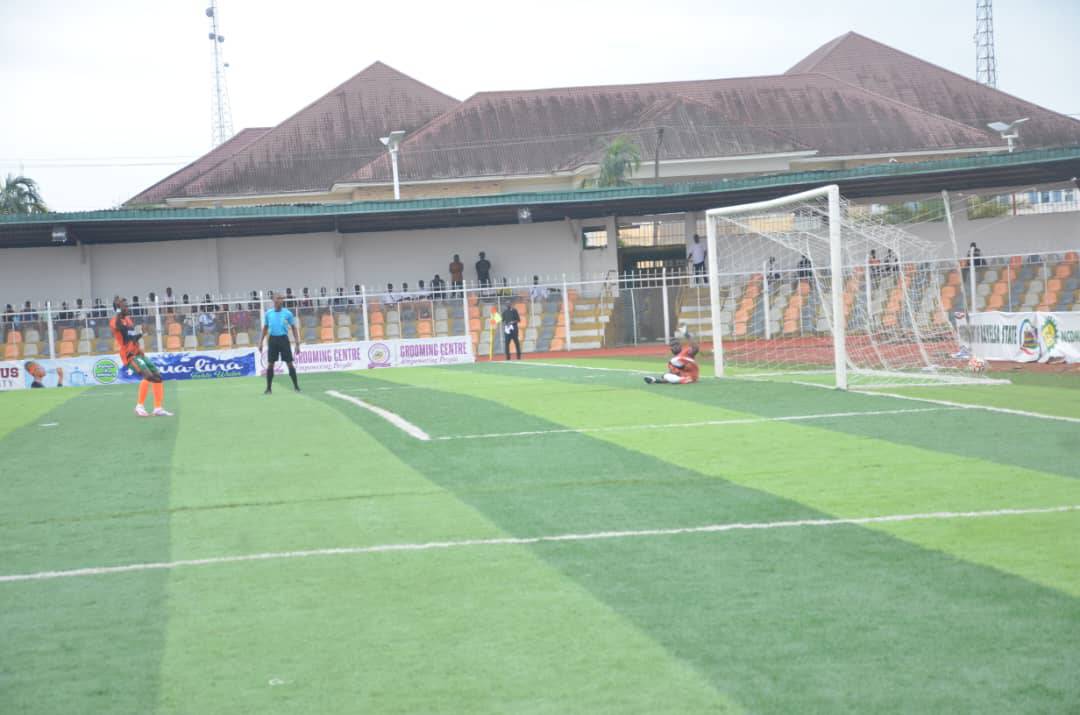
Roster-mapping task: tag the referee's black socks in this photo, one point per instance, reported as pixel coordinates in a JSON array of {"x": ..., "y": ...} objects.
[
  {"x": 292, "y": 374},
  {"x": 269, "y": 376}
]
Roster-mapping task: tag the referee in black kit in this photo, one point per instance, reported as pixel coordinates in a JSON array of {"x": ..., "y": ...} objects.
[
  {"x": 510, "y": 320},
  {"x": 277, "y": 322}
]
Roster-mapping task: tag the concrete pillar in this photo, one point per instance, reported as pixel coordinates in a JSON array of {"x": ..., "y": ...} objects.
[
  {"x": 86, "y": 279},
  {"x": 338, "y": 262}
]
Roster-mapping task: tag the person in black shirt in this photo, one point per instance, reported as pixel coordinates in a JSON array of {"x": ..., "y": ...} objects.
[
  {"x": 483, "y": 271},
  {"x": 510, "y": 320}
]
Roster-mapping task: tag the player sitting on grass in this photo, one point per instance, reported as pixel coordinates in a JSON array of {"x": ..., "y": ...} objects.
[
  {"x": 683, "y": 368},
  {"x": 131, "y": 355}
]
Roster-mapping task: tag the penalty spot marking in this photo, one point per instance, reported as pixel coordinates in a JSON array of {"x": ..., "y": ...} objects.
[
  {"x": 530, "y": 540},
  {"x": 397, "y": 420},
  {"x": 705, "y": 423}
]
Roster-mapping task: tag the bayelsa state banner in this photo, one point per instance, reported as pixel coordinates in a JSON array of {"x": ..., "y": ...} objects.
[{"x": 1023, "y": 337}]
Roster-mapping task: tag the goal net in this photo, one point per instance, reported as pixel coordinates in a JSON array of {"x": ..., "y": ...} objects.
[{"x": 806, "y": 288}]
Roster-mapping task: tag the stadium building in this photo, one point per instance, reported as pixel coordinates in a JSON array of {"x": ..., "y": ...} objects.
[{"x": 508, "y": 173}]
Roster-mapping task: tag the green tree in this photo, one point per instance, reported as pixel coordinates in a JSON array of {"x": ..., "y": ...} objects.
[
  {"x": 20, "y": 195},
  {"x": 622, "y": 157}
]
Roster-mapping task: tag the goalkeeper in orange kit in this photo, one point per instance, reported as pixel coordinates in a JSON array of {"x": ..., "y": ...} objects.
[
  {"x": 682, "y": 368},
  {"x": 131, "y": 355}
]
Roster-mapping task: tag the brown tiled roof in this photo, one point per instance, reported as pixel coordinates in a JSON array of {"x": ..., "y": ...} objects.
[
  {"x": 852, "y": 96},
  {"x": 173, "y": 183},
  {"x": 328, "y": 138},
  {"x": 544, "y": 131},
  {"x": 887, "y": 71}
]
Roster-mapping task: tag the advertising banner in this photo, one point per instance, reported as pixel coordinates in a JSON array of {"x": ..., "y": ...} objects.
[
  {"x": 11, "y": 375},
  {"x": 371, "y": 354},
  {"x": 245, "y": 362},
  {"x": 1023, "y": 337},
  {"x": 200, "y": 365},
  {"x": 1059, "y": 335},
  {"x": 1002, "y": 336}
]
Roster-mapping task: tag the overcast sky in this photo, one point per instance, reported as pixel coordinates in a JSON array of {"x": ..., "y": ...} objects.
[{"x": 102, "y": 99}]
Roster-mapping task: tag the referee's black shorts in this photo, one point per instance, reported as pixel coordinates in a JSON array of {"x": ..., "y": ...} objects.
[{"x": 278, "y": 347}]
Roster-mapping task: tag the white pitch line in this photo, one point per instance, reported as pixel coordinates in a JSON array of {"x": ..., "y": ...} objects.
[
  {"x": 969, "y": 406},
  {"x": 528, "y": 540},
  {"x": 534, "y": 363},
  {"x": 397, "y": 420},
  {"x": 704, "y": 423}
]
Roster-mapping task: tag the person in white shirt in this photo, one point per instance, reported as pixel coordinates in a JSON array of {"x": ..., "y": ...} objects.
[
  {"x": 696, "y": 256},
  {"x": 537, "y": 291},
  {"x": 390, "y": 298}
]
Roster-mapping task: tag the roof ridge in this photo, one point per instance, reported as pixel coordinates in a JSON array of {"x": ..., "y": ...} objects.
[{"x": 936, "y": 66}]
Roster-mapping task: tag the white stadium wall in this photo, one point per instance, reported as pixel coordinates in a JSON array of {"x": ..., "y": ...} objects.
[
  {"x": 1004, "y": 235},
  {"x": 237, "y": 265},
  {"x": 515, "y": 251}
]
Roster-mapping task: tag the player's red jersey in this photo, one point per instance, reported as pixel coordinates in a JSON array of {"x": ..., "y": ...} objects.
[{"x": 684, "y": 365}]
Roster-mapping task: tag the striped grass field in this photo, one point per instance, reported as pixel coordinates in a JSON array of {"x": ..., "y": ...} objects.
[{"x": 567, "y": 540}]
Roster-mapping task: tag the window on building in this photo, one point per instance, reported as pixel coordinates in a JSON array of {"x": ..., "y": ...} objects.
[{"x": 594, "y": 237}]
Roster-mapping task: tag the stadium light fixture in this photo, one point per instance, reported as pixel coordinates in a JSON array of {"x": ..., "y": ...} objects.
[
  {"x": 391, "y": 143},
  {"x": 1008, "y": 131}
]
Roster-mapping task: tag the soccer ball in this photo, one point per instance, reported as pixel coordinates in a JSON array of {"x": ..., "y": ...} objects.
[{"x": 976, "y": 365}]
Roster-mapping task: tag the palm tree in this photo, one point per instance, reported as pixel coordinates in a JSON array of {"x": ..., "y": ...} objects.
[
  {"x": 20, "y": 195},
  {"x": 622, "y": 157}
]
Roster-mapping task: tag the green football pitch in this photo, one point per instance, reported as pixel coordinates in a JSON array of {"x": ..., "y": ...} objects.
[{"x": 541, "y": 537}]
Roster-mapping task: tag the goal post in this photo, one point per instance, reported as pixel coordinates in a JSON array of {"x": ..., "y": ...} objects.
[{"x": 810, "y": 288}]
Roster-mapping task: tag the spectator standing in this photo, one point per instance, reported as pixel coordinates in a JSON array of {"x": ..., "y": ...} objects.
[
  {"x": 305, "y": 299},
  {"x": 438, "y": 287},
  {"x": 696, "y": 255},
  {"x": 340, "y": 301},
  {"x": 207, "y": 319},
  {"x": 537, "y": 292},
  {"x": 510, "y": 321},
  {"x": 873, "y": 264},
  {"x": 803, "y": 270},
  {"x": 421, "y": 291},
  {"x": 168, "y": 300},
  {"x": 357, "y": 296},
  {"x": 483, "y": 271},
  {"x": 457, "y": 272},
  {"x": 240, "y": 320},
  {"x": 390, "y": 298},
  {"x": 772, "y": 272}
]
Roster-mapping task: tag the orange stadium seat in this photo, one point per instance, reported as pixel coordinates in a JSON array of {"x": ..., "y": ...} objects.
[
  {"x": 326, "y": 334},
  {"x": 557, "y": 344},
  {"x": 69, "y": 334},
  {"x": 175, "y": 329},
  {"x": 376, "y": 318},
  {"x": 225, "y": 340},
  {"x": 66, "y": 348},
  {"x": 327, "y": 321},
  {"x": 376, "y": 331},
  {"x": 11, "y": 351},
  {"x": 173, "y": 343},
  {"x": 14, "y": 337},
  {"x": 1072, "y": 257},
  {"x": 424, "y": 328}
]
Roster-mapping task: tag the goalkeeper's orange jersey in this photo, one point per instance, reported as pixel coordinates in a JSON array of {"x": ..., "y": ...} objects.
[
  {"x": 684, "y": 365},
  {"x": 122, "y": 330}
]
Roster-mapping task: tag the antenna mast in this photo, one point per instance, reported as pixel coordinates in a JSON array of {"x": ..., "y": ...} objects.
[
  {"x": 221, "y": 129},
  {"x": 985, "y": 61}
]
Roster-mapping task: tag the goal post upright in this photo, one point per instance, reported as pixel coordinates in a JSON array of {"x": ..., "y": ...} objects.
[
  {"x": 713, "y": 276},
  {"x": 836, "y": 257}
]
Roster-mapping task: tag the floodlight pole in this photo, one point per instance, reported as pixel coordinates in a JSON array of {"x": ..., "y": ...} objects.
[{"x": 391, "y": 143}]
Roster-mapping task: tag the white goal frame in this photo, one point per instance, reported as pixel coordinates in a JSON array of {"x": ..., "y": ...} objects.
[{"x": 836, "y": 258}]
